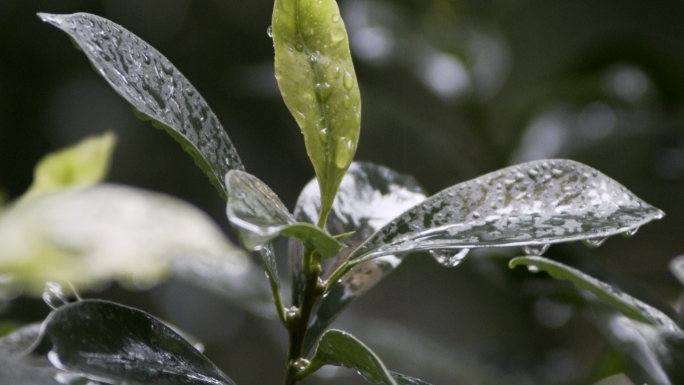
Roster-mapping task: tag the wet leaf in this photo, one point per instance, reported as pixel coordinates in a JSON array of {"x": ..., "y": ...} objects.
[
  {"x": 369, "y": 197},
  {"x": 316, "y": 77},
  {"x": 626, "y": 304},
  {"x": 535, "y": 203},
  {"x": 111, "y": 342},
  {"x": 155, "y": 88},
  {"x": 342, "y": 349},
  {"x": 260, "y": 217},
  {"x": 81, "y": 165},
  {"x": 677, "y": 268},
  {"x": 654, "y": 353},
  {"x": 19, "y": 341},
  {"x": 91, "y": 236}
]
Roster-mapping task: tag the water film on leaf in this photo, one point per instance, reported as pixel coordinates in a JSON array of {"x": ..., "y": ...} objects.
[
  {"x": 155, "y": 88},
  {"x": 532, "y": 204},
  {"x": 369, "y": 197},
  {"x": 260, "y": 217},
  {"x": 317, "y": 80},
  {"x": 114, "y": 343}
]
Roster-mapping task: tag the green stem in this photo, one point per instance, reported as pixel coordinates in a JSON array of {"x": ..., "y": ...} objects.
[{"x": 298, "y": 323}]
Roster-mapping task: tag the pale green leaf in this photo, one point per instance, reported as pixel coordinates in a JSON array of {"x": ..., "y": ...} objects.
[
  {"x": 260, "y": 217},
  {"x": 316, "y": 77},
  {"x": 81, "y": 165},
  {"x": 107, "y": 232},
  {"x": 155, "y": 88},
  {"x": 626, "y": 304},
  {"x": 342, "y": 349}
]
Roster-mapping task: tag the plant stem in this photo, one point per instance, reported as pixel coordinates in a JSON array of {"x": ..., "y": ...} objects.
[{"x": 299, "y": 322}]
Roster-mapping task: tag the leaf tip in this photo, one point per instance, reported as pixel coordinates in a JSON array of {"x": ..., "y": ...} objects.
[{"x": 53, "y": 19}]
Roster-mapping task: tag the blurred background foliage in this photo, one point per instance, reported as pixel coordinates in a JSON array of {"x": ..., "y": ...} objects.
[{"x": 451, "y": 89}]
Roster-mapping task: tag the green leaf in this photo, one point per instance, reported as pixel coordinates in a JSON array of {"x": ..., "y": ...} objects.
[
  {"x": 406, "y": 380},
  {"x": 155, "y": 89},
  {"x": 677, "y": 268},
  {"x": 260, "y": 217},
  {"x": 533, "y": 204},
  {"x": 91, "y": 236},
  {"x": 342, "y": 349},
  {"x": 316, "y": 77},
  {"x": 369, "y": 197},
  {"x": 111, "y": 342},
  {"x": 81, "y": 165},
  {"x": 626, "y": 304}
]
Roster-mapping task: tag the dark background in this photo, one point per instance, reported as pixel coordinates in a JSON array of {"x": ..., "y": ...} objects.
[{"x": 451, "y": 90}]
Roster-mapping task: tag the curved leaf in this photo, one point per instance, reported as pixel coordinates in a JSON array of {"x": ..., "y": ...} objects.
[
  {"x": 342, "y": 349},
  {"x": 260, "y": 217},
  {"x": 536, "y": 204},
  {"x": 406, "y": 380},
  {"x": 81, "y": 165},
  {"x": 626, "y": 304},
  {"x": 369, "y": 197},
  {"x": 677, "y": 268},
  {"x": 90, "y": 236},
  {"x": 654, "y": 353},
  {"x": 107, "y": 341},
  {"x": 316, "y": 77},
  {"x": 155, "y": 88},
  {"x": 19, "y": 341}
]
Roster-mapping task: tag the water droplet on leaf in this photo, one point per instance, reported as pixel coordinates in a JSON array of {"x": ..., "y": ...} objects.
[
  {"x": 269, "y": 31},
  {"x": 348, "y": 81},
  {"x": 532, "y": 269},
  {"x": 594, "y": 242},
  {"x": 301, "y": 363},
  {"x": 535, "y": 249},
  {"x": 449, "y": 258},
  {"x": 630, "y": 232},
  {"x": 55, "y": 296}
]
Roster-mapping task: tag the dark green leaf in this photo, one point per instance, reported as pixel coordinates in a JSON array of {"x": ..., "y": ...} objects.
[
  {"x": 626, "y": 304},
  {"x": 369, "y": 197},
  {"x": 149, "y": 82},
  {"x": 113, "y": 342},
  {"x": 342, "y": 349},
  {"x": 260, "y": 217},
  {"x": 316, "y": 77},
  {"x": 532, "y": 204}
]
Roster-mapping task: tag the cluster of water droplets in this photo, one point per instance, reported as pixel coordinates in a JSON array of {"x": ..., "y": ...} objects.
[
  {"x": 450, "y": 257},
  {"x": 56, "y": 296},
  {"x": 147, "y": 80},
  {"x": 533, "y": 204}
]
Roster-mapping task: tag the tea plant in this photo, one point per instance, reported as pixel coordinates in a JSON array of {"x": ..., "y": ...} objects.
[{"x": 351, "y": 227}]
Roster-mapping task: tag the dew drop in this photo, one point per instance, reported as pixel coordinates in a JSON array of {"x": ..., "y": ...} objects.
[
  {"x": 535, "y": 249},
  {"x": 346, "y": 101},
  {"x": 532, "y": 269},
  {"x": 449, "y": 258},
  {"x": 324, "y": 135},
  {"x": 337, "y": 35},
  {"x": 594, "y": 242},
  {"x": 336, "y": 18},
  {"x": 344, "y": 152},
  {"x": 348, "y": 81},
  {"x": 301, "y": 363},
  {"x": 292, "y": 312},
  {"x": 269, "y": 31},
  {"x": 630, "y": 232},
  {"x": 167, "y": 67}
]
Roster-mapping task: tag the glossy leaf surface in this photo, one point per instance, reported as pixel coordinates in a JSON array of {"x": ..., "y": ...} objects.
[
  {"x": 654, "y": 353},
  {"x": 81, "y": 165},
  {"x": 535, "y": 203},
  {"x": 316, "y": 77},
  {"x": 342, "y": 349},
  {"x": 369, "y": 197},
  {"x": 155, "y": 88},
  {"x": 626, "y": 304},
  {"x": 90, "y": 236},
  {"x": 260, "y": 217},
  {"x": 117, "y": 343},
  {"x": 19, "y": 341}
]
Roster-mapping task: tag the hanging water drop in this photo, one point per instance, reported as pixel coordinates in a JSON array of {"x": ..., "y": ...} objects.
[
  {"x": 449, "y": 258},
  {"x": 532, "y": 269},
  {"x": 269, "y": 31},
  {"x": 630, "y": 232},
  {"x": 594, "y": 242},
  {"x": 535, "y": 249},
  {"x": 292, "y": 312}
]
